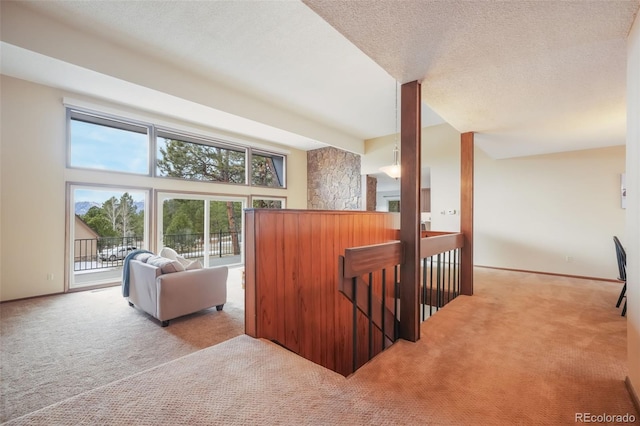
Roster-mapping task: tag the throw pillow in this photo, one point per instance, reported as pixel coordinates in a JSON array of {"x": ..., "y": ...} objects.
[
  {"x": 193, "y": 265},
  {"x": 167, "y": 266},
  {"x": 170, "y": 253}
]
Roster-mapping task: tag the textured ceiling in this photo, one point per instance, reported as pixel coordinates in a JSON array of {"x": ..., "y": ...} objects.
[{"x": 528, "y": 76}]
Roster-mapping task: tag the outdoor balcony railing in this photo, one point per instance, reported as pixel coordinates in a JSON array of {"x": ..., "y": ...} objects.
[{"x": 109, "y": 252}]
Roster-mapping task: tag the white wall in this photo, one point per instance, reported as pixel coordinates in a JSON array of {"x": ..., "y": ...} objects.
[
  {"x": 632, "y": 235},
  {"x": 33, "y": 210},
  {"x": 441, "y": 153},
  {"x": 33, "y": 181},
  {"x": 530, "y": 213},
  {"x": 533, "y": 212}
]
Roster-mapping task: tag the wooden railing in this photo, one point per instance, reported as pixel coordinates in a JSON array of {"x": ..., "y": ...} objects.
[
  {"x": 370, "y": 282},
  {"x": 291, "y": 288},
  {"x": 325, "y": 284},
  {"x": 440, "y": 271},
  {"x": 370, "y": 279}
]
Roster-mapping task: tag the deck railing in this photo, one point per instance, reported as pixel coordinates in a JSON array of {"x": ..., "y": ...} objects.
[
  {"x": 109, "y": 252},
  {"x": 222, "y": 243},
  {"x": 103, "y": 252}
]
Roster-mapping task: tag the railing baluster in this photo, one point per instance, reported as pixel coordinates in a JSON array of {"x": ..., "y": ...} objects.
[
  {"x": 396, "y": 292},
  {"x": 355, "y": 324},
  {"x": 449, "y": 276},
  {"x": 423, "y": 301},
  {"x": 431, "y": 287},
  {"x": 458, "y": 269},
  {"x": 370, "y": 313},
  {"x": 438, "y": 284},
  {"x": 384, "y": 307}
]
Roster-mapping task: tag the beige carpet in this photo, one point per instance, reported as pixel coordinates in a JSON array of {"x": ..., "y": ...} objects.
[
  {"x": 54, "y": 347},
  {"x": 526, "y": 349}
]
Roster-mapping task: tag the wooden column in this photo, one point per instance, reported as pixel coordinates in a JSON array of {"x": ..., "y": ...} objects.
[
  {"x": 466, "y": 213},
  {"x": 410, "y": 132}
]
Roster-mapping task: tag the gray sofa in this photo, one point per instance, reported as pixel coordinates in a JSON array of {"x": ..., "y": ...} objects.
[{"x": 166, "y": 296}]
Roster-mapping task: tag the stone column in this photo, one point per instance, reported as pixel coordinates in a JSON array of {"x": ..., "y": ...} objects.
[
  {"x": 333, "y": 180},
  {"x": 372, "y": 189}
]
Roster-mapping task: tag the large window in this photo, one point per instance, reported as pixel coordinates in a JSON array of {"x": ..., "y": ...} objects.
[
  {"x": 185, "y": 158},
  {"x": 117, "y": 145},
  {"x": 109, "y": 215},
  {"x": 106, "y": 144}
]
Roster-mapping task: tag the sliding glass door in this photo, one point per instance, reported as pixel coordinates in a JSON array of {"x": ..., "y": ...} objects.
[
  {"x": 105, "y": 224},
  {"x": 201, "y": 227}
]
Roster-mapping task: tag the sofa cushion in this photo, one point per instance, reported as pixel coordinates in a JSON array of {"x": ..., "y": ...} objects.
[{"x": 167, "y": 266}]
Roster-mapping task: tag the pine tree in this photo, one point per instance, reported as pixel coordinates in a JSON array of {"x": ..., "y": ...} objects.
[{"x": 205, "y": 163}]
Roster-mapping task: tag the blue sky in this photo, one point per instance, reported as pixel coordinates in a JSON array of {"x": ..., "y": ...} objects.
[
  {"x": 100, "y": 196},
  {"x": 100, "y": 147}
]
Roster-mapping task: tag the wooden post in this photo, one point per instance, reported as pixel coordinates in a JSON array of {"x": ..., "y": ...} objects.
[
  {"x": 410, "y": 133},
  {"x": 466, "y": 213}
]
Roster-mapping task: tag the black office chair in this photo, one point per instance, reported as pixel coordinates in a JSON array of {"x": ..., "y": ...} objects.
[{"x": 622, "y": 270}]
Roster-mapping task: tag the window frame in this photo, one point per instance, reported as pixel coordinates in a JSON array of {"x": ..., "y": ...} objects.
[
  {"x": 154, "y": 131},
  {"x": 107, "y": 120},
  {"x": 147, "y": 241},
  {"x": 266, "y": 153},
  {"x": 161, "y": 132},
  {"x": 268, "y": 198}
]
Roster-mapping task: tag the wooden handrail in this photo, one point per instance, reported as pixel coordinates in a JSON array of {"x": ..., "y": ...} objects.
[
  {"x": 431, "y": 246},
  {"x": 362, "y": 260}
]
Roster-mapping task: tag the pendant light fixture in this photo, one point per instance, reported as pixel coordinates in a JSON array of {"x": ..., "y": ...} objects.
[{"x": 393, "y": 170}]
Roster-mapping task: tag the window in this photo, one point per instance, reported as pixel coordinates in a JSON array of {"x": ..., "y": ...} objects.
[
  {"x": 106, "y": 144},
  {"x": 203, "y": 227},
  {"x": 267, "y": 169},
  {"x": 108, "y": 218},
  {"x": 394, "y": 206},
  {"x": 113, "y": 144},
  {"x": 185, "y": 158},
  {"x": 107, "y": 224},
  {"x": 267, "y": 203}
]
